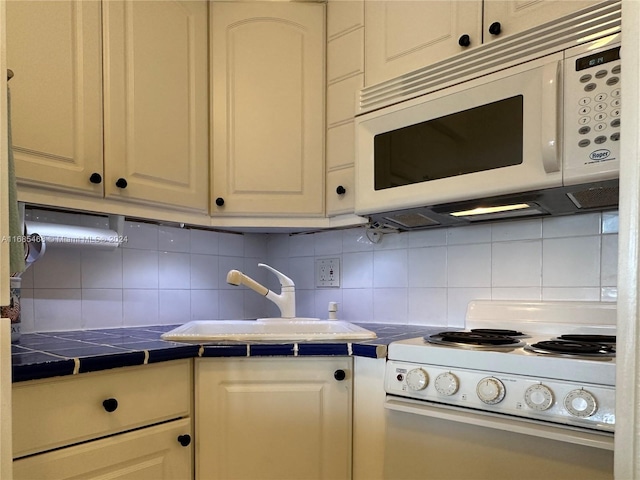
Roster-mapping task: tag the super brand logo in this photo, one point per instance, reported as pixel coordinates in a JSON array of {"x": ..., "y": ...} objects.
[{"x": 601, "y": 154}]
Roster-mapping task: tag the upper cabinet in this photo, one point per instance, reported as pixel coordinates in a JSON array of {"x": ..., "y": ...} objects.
[
  {"x": 267, "y": 83},
  {"x": 138, "y": 71},
  {"x": 402, "y": 36}
]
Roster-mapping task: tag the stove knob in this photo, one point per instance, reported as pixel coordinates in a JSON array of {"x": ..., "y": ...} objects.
[
  {"x": 490, "y": 390},
  {"x": 446, "y": 384},
  {"x": 580, "y": 403},
  {"x": 417, "y": 379},
  {"x": 538, "y": 397}
]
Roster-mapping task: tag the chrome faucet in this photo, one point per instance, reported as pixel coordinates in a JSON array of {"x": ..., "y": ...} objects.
[{"x": 286, "y": 300}]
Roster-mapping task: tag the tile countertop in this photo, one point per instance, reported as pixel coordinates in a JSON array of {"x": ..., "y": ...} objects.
[{"x": 44, "y": 355}]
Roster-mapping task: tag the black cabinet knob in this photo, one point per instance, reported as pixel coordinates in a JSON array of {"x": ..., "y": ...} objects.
[
  {"x": 495, "y": 28},
  {"x": 95, "y": 178},
  {"x": 464, "y": 40},
  {"x": 341, "y": 190},
  {"x": 339, "y": 375},
  {"x": 110, "y": 404},
  {"x": 121, "y": 183},
  {"x": 219, "y": 201},
  {"x": 184, "y": 440}
]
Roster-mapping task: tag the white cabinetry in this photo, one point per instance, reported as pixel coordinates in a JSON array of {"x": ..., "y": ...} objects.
[
  {"x": 267, "y": 83},
  {"x": 138, "y": 70},
  {"x": 402, "y": 36},
  {"x": 274, "y": 418},
  {"x": 123, "y": 423}
]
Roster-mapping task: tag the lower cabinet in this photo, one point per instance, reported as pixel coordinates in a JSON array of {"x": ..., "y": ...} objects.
[
  {"x": 274, "y": 418},
  {"x": 123, "y": 423}
]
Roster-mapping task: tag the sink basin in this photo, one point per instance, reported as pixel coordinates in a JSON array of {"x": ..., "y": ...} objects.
[{"x": 202, "y": 331}]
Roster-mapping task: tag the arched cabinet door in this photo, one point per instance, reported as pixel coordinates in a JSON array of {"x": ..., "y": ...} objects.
[{"x": 267, "y": 84}]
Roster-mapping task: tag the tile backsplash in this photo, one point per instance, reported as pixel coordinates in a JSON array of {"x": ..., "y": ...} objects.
[{"x": 168, "y": 275}]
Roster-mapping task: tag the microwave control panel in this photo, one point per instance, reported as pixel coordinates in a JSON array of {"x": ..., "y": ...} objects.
[{"x": 592, "y": 108}]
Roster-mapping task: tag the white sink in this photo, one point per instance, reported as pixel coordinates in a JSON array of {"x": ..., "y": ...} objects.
[{"x": 301, "y": 329}]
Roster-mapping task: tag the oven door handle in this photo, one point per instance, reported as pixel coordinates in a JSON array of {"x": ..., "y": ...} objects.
[{"x": 501, "y": 422}]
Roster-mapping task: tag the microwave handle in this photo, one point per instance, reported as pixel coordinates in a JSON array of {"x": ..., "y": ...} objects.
[{"x": 551, "y": 114}]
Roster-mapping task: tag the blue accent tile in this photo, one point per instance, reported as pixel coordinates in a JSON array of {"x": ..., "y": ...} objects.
[
  {"x": 84, "y": 336},
  {"x": 31, "y": 366},
  {"x": 225, "y": 351},
  {"x": 173, "y": 353},
  {"x": 370, "y": 351},
  {"x": 85, "y": 350},
  {"x": 266, "y": 350},
  {"x": 323, "y": 349},
  {"x": 105, "y": 362}
]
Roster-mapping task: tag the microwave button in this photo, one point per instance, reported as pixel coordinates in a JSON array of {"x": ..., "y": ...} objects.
[
  {"x": 612, "y": 81},
  {"x": 584, "y": 110},
  {"x": 600, "y": 97},
  {"x": 584, "y": 130},
  {"x": 600, "y": 139},
  {"x": 601, "y": 116},
  {"x": 615, "y": 93},
  {"x": 584, "y": 143},
  {"x": 601, "y": 73},
  {"x": 590, "y": 87},
  {"x": 585, "y": 101},
  {"x": 615, "y": 122},
  {"x": 584, "y": 120},
  {"x": 616, "y": 70},
  {"x": 615, "y": 102},
  {"x": 585, "y": 78},
  {"x": 615, "y": 113},
  {"x": 600, "y": 107},
  {"x": 600, "y": 126},
  {"x": 615, "y": 136}
]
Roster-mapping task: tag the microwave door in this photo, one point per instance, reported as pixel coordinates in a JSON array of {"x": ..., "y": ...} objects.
[{"x": 492, "y": 136}]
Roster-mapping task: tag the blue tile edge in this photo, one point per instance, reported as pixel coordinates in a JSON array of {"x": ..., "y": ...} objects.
[
  {"x": 328, "y": 349},
  {"x": 173, "y": 353},
  {"x": 35, "y": 371},
  {"x": 105, "y": 362}
]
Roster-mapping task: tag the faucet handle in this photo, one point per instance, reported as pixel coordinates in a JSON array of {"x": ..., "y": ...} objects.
[{"x": 284, "y": 280}]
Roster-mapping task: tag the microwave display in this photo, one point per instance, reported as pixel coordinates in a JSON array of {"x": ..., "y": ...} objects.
[{"x": 482, "y": 138}]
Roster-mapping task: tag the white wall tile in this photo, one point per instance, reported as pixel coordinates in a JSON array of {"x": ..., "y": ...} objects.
[
  {"x": 427, "y": 238},
  {"x": 390, "y": 305},
  {"x": 517, "y": 293},
  {"x": 469, "y": 265},
  {"x": 610, "y": 222},
  {"x": 517, "y": 230},
  {"x": 231, "y": 245},
  {"x": 302, "y": 245},
  {"x": 392, "y": 241},
  {"x": 427, "y": 306},
  {"x": 469, "y": 234},
  {"x": 174, "y": 270},
  {"x": 301, "y": 271},
  {"x": 58, "y": 268},
  {"x": 172, "y": 239},
  {"x": 305, "y": 304},
  {"x": 357, "y": 305},
  {"x": 102, "y": 308},
  {"x": 140, "y": 235},
  {"x": 390, "y": 269},
  {"x": 571, "y": 262},
  {"x": 205, "y": 272},
  {"x": 571, "y": 225},
  {"x": 328, "y": 243},
  {"x": 231, "y": 305},
  {"x": 427, "y": 267},
  {"x": 27, "y": 277},
  {"x": 608, "y": 294},
  {"x": 174, "y": 306},
  {"x": 357, "y": 270},
  {"x": 102, "y": 268},
  {"x": 139, "y": 269},
  {"x": 609, "y": 261},
  {"x": 57, "y": 309},
  {"x": 355, "y": 240},
  {"x": 140, "y": 306},
  {"x": 458, "y": 300},
  {"x": 204, "y": 242},
  {"x": 256, "y": 306},
  {"x": 27, "y": 313},
  {"x": 576, "y": 293},
  {"x": 323, "y": 297},
  {"x": 204, "y": 304},
  {"x": 277, "y": 245},
  {"x": 516, "y": 264},
  {"x": 255, "y": 246}
]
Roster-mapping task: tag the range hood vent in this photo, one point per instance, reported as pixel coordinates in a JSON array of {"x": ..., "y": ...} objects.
[{"x": 599, "y": 197}]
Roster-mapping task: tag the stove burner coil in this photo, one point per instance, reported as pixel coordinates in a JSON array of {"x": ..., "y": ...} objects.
[
  {"x": 574, "y": 348},
  {"x": 475, "y": 338},
  {"x": 589, "y": 338},
  {"x": 498, "y": 331}
]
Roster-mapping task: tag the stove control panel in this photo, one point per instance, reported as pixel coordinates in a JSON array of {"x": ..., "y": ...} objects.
[{"x": 560, "y": 401}]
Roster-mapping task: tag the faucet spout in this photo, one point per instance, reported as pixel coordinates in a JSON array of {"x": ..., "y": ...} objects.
[{"x": 286, "y": 300}]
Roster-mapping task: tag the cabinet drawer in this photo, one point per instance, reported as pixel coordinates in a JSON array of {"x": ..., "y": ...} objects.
[{"x": 61, "y": 411}]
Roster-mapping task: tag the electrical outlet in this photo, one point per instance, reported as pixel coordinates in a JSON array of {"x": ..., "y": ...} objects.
[{"x": 328, "y": 272}]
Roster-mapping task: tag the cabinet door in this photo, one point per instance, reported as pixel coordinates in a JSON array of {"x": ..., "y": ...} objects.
[
  {"x": 273, "y": 418},
  {"x": 156, "y": 102},
  {"x": 515, "y": 15},
  {"x": 54, "y": 49},
  {"x": 401, "y": 36},
  {"x": 268, "y": 108},
  {"x": 152, "y": 453}
]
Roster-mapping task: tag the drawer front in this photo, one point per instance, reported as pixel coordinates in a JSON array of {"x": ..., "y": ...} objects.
[{"x": 61, "y": 411}]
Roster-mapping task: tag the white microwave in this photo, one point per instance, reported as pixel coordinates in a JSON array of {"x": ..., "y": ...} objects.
[{"x": 537, "y": 138}]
